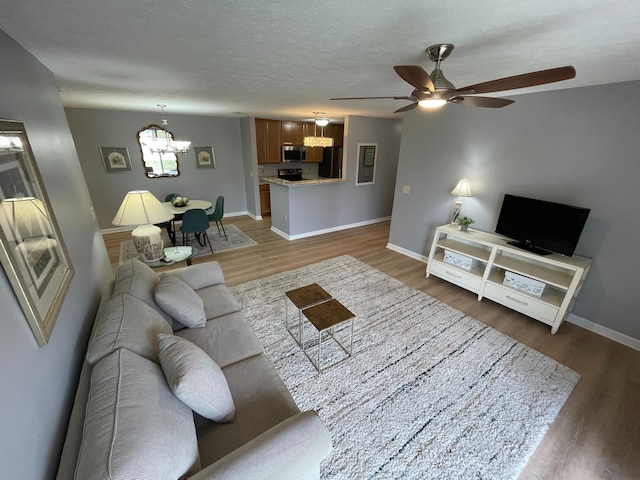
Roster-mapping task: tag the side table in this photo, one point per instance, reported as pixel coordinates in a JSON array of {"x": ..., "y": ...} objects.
[
  {"x": 303, "y": 298},
  {"x": 327, "y": 317}
]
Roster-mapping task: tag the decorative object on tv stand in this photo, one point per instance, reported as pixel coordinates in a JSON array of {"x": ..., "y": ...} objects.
[
  {"x": 141, "y": 208},
  {"x": 463, "y": 189},
  {"x": 465, "y": 222},
  {"x": 164, "y": 143},
  {"x": 321, "y": 141}
]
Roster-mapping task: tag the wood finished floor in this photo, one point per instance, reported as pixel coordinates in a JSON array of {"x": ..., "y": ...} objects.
[{"x": 597, "y": 433}]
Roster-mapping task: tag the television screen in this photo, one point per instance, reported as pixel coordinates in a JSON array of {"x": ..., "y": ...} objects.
[{"x": 540, "y": 226}]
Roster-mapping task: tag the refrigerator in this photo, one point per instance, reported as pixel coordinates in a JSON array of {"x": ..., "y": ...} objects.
[{"x": 331, "y": 166}]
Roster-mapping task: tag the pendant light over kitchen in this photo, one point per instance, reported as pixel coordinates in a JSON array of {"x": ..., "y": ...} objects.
[{"x": 321, "y": 141}]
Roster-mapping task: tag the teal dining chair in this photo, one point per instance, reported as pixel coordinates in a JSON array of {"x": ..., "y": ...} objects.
[
  {"x": 217, "y": 215},
  {"x": 195, "y": 221},
  {"x": 169, "y": 226}
]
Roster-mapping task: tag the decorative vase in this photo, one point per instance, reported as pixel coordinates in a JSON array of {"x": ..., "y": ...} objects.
[{"x": 464, "y": 227}]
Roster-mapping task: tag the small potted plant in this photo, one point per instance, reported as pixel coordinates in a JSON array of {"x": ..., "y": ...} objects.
[{"x": 465, "y": 222}]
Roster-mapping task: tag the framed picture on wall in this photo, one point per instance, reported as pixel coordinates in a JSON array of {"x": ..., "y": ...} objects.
[
  {"x": 366, "y": 166},
  {"x": 116, "y": 159},
  {"x": 32, "y": 251},
  {"x": 204, "y": 157}
]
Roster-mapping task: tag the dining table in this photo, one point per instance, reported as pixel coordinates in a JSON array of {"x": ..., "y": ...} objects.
[{"x": 179, "y": 211}]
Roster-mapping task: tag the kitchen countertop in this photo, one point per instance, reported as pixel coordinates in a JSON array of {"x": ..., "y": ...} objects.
[{"x": 304, "y": 181}]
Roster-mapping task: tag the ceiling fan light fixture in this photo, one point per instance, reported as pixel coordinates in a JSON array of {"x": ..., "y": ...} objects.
[{"x": 432, "y": 102}]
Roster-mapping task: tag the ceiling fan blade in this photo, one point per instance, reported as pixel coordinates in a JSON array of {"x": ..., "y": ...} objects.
[
  {"x": 368, "y": 98},
  {"x": 411, "y": 106},
  {"x": 521, "y": 81},
  {"x": 486, "y": 102},
  {"x": 415, "y": 75}
]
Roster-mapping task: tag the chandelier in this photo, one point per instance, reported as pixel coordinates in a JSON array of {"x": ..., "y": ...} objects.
[
  {"x": 163, "y": 142},
  {"x": 321, "y": 141}
]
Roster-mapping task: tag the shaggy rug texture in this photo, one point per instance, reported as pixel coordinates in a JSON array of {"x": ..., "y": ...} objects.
[
  {"x": 429, "y": 393},
  {"x": 237, "y": 239}
]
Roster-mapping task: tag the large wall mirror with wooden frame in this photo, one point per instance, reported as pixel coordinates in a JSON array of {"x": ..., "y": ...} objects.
[{"x": 157, "y": 164}]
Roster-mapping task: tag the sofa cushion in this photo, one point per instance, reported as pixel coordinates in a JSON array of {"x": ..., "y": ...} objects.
[
  {"x": 262, "y": 401},
  {"x": 195, "y": 378},
  {"x": 126, "y": 322},
  {"x": 218, "y": 301},
  {"x": 179, "y": 300},
  {"x": 227, "y": 339},
  {"x": 134, "y": 426},
  {"x": 138, "y": 280}
]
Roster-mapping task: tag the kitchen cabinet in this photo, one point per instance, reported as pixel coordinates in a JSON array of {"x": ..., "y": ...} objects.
[
  {"x": 268, "y": 140},
  {"x": 265, "y": 200},
  {"x": 292, "y": 133},
  {"x": 479, "y": 262}
]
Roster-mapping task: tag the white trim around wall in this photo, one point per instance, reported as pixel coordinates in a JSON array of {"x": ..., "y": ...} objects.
[
  {"x": 328, "y": 230},
  {"x": 576, "y": 320}
]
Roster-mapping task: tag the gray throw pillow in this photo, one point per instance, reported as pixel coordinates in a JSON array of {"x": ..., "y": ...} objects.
[
  {"x": 180, "y": 301},
  {"x": 126, "y": 322},
  {"x": 195, "y": 378}
]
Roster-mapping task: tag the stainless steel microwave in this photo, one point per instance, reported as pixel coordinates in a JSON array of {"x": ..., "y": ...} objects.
[{"x": 294, "y": 153}]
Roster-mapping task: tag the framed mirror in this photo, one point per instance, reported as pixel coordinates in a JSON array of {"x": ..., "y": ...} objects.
[
  {"x": 366, "y": 166},
  {"x": 32, "y": 251},
  {"x": 157, "y": 164}
]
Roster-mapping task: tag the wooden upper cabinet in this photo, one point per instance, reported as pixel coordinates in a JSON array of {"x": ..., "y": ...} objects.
[
  {"x": 268, "y": 141},
  {"x": 292, "y": 133}
]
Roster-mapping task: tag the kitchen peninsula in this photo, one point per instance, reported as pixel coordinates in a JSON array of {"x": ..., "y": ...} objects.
[{"x": 307, "y": 207}]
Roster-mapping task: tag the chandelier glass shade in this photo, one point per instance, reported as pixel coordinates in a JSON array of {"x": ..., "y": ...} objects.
[
  {"x": 321, "y": 141},
  {"x": 163, "y": 141}
]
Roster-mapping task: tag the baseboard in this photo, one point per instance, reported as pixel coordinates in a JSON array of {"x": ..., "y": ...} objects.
[
  {"x": 576, "y": 320},
  {"x": 604, "y": 331},
  {"x": 407, "y": 253},
  {"x": 129, "y": 229},
  {"x": 329, "y": 230}
]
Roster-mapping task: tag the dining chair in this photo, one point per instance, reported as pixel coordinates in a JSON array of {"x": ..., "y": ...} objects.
[
  {"x": 195, "y": 221},
  {"x": 169, "y": 226},
  {"x": 217, "y": 215},
  {"x": 171, "y": 196}
]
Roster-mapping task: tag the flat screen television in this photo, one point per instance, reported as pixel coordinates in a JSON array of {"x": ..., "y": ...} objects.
[{"x": 541, "y": 227}]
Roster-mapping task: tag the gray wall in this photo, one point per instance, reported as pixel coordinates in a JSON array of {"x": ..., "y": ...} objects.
[
  {"x": 38, "y": 383},
  {"x": 249, "y": 164},
  {"x": 93, "y": 129},
  {"x": 577, "y": 146}
]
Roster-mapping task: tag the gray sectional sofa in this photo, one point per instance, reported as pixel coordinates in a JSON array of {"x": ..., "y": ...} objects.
[{"x": 175, "y": 384}]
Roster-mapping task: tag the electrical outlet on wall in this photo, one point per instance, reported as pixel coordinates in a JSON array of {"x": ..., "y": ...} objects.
[{"x": 406, "y": 189}]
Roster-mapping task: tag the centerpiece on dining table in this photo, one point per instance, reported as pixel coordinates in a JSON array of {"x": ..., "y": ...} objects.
[{"x": 179, "y": 201}]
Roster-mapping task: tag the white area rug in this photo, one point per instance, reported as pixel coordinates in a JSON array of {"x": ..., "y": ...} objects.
[
  {"x": 429, "y": 393},
  {"x": 237, "y": 239}
]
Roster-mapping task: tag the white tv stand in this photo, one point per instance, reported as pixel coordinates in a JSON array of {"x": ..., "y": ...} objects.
[{"x": 564, "y": 276}]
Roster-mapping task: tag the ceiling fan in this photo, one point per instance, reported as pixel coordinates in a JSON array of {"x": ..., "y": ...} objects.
[{"x": 433, "y": 91}]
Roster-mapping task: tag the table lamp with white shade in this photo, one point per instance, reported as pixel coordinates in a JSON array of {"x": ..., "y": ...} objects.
[
  {"x": 463, "y": 189},
  {"x": 141, "y": 208}
]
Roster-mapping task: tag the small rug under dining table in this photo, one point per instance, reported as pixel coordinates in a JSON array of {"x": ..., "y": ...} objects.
[{"x": 236, "y": 238}]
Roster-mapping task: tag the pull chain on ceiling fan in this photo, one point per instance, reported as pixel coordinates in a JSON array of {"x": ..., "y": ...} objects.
[{"x": 433, "y": 91}]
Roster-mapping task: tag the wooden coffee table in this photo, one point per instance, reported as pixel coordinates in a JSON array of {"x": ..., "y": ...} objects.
[
  {"x": 326, "y": 317},
  {"x": 303, "y": 298}
]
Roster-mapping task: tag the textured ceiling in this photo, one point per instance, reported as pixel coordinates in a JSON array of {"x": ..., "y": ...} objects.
[{"x": 286, "y": 58}]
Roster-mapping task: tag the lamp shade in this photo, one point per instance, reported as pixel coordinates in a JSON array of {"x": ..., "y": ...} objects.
[
  {"x": 26, "y": 217},
  {"x": 317, "y": 141},
  {"x": 140, "y": 207},
  {"x": 463, "y": 189}
]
